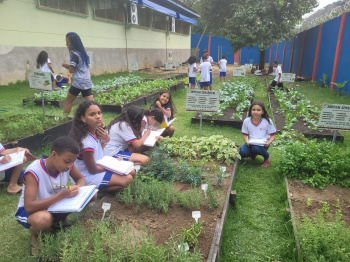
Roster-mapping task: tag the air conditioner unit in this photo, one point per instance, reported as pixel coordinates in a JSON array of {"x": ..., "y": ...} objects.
[
  {"x": 133, "y": 14},
  {"x": 173, "y": 24}
]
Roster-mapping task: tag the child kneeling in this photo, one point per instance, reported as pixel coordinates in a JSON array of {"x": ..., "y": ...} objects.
[{"x": 44, "y": 185}]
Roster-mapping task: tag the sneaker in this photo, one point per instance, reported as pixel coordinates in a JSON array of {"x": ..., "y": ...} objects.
[{"x": 266, "y": 162}]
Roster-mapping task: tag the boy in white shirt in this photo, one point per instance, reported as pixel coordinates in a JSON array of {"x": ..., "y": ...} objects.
[
  {"x": 211, "y": 61},
  {"x": 277, "y": 80},
  {"x": 222, "y": 70},
  {"x": 204, "y": 69}
]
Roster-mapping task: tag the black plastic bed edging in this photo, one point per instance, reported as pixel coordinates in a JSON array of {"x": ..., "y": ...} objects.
[{"x": 36, "y": 141}]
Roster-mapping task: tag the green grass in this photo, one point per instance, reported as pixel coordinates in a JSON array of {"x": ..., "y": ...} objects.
[{"x": 258, "y": 229}]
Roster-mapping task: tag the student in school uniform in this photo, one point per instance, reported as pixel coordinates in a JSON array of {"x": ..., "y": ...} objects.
[
  {"x": 205, "y": 69},
  {"x": 45, "y": 183},
  {"x": 222, "y": 70},
  {"x": 60, "y": 79},
  {"x": 211, "y": 61},
  {"x": 12, "y": 173}
]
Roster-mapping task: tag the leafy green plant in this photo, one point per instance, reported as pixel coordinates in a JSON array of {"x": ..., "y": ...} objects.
[
  {"x": 190, "y": 236},
  {"x": 340, "y": 86},
  {"x": 189, "y": 173},
  {"x": 191, "y": 199},
  {"x": 324, "y": 80},
  {"x": 212, "y": 197}
]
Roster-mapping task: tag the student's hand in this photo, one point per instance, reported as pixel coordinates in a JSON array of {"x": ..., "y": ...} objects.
[
  {"x": 159, "y": 138},
  {"x": 147, "y": 132},
  {"x": 5, "y": 159},
  {"x": 21, "y": 149},
  {"x": 159, "y": 104},
  {"x": 267, "y": 144},
  {"x": 102, "y": 134},
  {"x": 70, "y": 192},
  {"x": 119, "y": 158}
]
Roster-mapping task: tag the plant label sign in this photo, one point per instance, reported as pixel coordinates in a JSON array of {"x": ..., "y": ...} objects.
[
  {"x": 40, "y": 80},
  {"x": 134, "y": 67},
  {"x": 248, "y": 66},
  {"x": 288, "y": 77},
  {"x": 196, "y": 215},
  {"x": 202, "y": 100},
  {"x": 171, "y": 65},
  {"x": 105, "y": 207},
  {"x": 335, "y": 116},
  {"x": 238, "y": 71},
  {"x": 205, "y": 188}
]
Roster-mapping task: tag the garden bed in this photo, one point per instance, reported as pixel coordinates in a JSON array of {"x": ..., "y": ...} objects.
[
  {"x": 300, "y": 125},
  {"x": 162, "y": 225},
  {"x": 225, "y": 120}
]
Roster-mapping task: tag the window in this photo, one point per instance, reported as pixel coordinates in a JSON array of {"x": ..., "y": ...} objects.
[
  {"x": 182, "y": 27},
  {"x": 159, "y": 21},
  {"x": 74, "y": 6},
  {"x": 144, "y": 16},
  {"x": 178, "y": 26},
  {"x": 109, "y": 9},
  {"x": 186, "y": 28}
]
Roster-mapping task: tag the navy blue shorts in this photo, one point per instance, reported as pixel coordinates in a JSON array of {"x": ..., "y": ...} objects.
[
  {"x": 211, "y": 77},
  {"x": 76, "y": 91},
  {"x": 203, "y": 84},
  {"x": 106, "y": 179},
  {"x": 274, "y": 83},
  {"x": 124, "y": 154},
  {"x": 192, "y": 80},
  {"x": 63, "y": 81},
  {"x": 222, "y": 74}
]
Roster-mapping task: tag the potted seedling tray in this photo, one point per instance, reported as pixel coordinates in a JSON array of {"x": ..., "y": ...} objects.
[{"x": 300, "y": 125}]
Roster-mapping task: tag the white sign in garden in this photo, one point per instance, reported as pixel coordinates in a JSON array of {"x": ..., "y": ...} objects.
[
  {"x": 40, "y": 80},
  {"x": 134, "y": 67},
  {"x": 171, "y": 65},
  {"x": 288, "y": 77},
  {"x": 202, "y": 100},
  {"x": 239, "y": 72},
  {"x": 248, "y": 66},
  {"x": 335, "y": 116}
]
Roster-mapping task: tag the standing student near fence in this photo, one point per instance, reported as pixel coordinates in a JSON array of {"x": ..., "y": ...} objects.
[
  {"x": 205, "y": 70},
  {"x": 211, "y": 61},
  {"x": 222, "y": 70},
  {"x": 40, "y": 191},
  {"x": 79, "y": 67},
  {"x": 88, "y": 132},
  {"x": 257, "y": 126}
]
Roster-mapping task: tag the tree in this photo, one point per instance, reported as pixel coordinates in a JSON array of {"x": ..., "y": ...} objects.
[{"x": 246, "y": 23}]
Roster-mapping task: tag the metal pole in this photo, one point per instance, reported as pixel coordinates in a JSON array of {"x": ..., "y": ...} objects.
[
  {"x": 200, "y": 123},
  {"x": 43, "y": 101}
]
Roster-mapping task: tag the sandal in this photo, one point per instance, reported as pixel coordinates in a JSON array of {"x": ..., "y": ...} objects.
[{"x": 266, "y": 162}]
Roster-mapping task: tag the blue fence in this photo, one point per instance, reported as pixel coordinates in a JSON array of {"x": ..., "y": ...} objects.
[{"x": 303, "y": 42}]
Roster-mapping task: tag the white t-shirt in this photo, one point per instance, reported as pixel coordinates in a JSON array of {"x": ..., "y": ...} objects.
[
  {"x": 120, "y": 137},
  {"x": 210, "y": 60},
  {"x": 262, "y": 130},
  {"x": 45, "y": 67},
  {"x": 192, "y": 73},
  {"x": 2, "y": 173},
  {"x": 92, "y": 144},
  {"x": 45, "y": 180},
  {"x": 223, "y": 63},
  {"x": 204, "y": 68},
  {"x": 278, "y": 71}
]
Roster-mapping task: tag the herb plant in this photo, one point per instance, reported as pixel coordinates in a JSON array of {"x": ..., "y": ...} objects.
[
  {"x": 191, "y": 199},
  {"x": 190, "y": 236}
]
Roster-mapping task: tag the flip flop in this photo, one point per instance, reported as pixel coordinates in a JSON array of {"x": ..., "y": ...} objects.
[
  {"x": 15, "y": 193},
  {"x": 266, "y": 162}
]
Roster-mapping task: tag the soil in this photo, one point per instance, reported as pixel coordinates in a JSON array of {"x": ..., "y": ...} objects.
[
  {"x": 300, "y": 193},
  {"x": 161, "y": 225},
  {"x": 299, "y": 126}
]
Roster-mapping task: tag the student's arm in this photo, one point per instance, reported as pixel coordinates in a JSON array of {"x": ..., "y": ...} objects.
[
  {"x": 139, "y": 142},
  {"x": 5, "y": 160},
  {"x": 89, "y": 161},
  {"x": 77, "y": 177},
  {"x": 51, "y": 68},
  {"x": 272, "y": 137},
  {"x": 194, "y": 69},
  {"x": 245, "y": 137},
  {"x": 165, "y": 112},
  {"x": 32, "y": 205},
  {"x": 69, "y": 67},
  {"x": 13, "y": 150}
]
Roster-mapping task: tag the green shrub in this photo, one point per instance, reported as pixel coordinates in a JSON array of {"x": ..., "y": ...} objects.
[{"x": 191, "y": 199}]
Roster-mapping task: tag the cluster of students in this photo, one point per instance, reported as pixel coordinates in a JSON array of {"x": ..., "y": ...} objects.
[
  {"x": 75, "y": 156},
  {"x": 205, "y": 70}
]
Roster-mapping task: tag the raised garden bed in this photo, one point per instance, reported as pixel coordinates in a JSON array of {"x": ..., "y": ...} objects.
[
  {"x": 225, "y": 120},
  {"x": 167, "y": 76},
  {"x": 300, "y": 125}
]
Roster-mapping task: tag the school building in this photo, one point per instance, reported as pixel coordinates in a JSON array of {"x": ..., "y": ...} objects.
[{"x": 116, "y": 33}]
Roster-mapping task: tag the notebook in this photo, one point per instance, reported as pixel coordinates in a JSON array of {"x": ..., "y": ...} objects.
[
  {"x": 16, "y": 159},
  {"x": 257, "y": 142},
  {"x": 76, "y": 203},
  {"x": 116, "y": 166},
  {"x": 165, "y": 124},
  {"x": 151, "y": 139}
]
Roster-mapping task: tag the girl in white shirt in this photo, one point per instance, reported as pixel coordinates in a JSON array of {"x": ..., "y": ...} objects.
[{"x": 192, "y": 71}]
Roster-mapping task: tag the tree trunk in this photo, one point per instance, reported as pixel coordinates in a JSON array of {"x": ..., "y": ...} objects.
[{"x": 262, "y": 60}]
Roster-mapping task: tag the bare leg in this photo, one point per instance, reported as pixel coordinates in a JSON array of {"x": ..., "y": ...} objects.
[
  {"x": 192, "y": 86},
  {"x": 169, "y": 131},
  {"x": 220, "y": 79},
  {"x": 90, "y": 98},
  {"x": 68, "y": 104},
  {"x": 13, "y": 187},
  {"x": 139, "y": 159},
  {"x": 225, "y": 79}
]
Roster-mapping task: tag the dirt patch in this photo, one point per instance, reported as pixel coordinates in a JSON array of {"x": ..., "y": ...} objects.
[
  {"x": 300, "y": 125},
  {"x": 300, "y": 193},
  {"x": 163, "y": 225}
]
